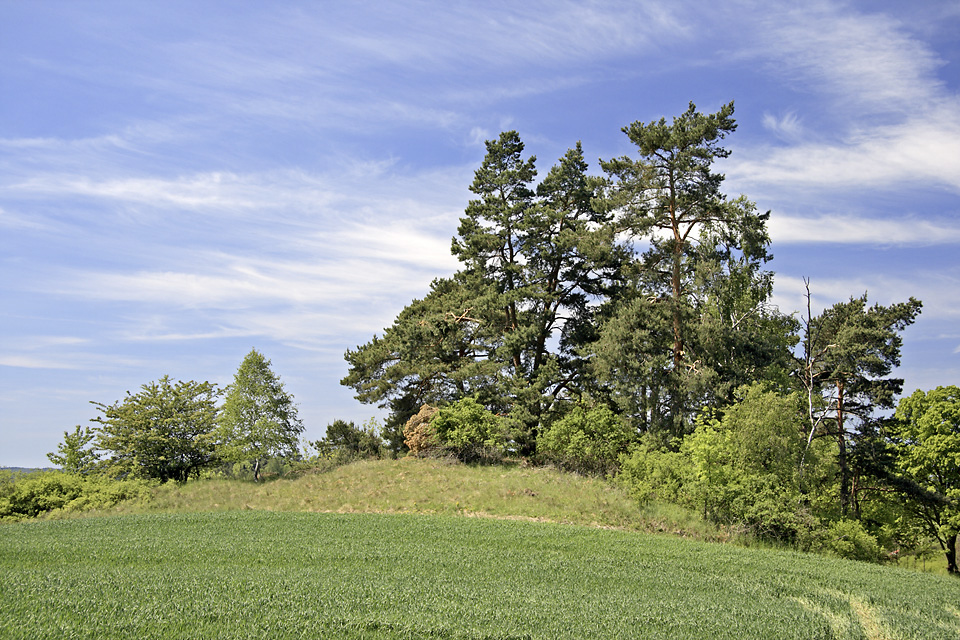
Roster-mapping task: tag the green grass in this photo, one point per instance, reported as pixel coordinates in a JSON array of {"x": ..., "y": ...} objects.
[
  {"x": 383, "y": 550},
  {"x": 320, "y": 575},
  {"x": 434, "y": 487}
]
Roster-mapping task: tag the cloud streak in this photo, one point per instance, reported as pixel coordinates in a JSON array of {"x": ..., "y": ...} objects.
[{"x": 850, "y": 229}]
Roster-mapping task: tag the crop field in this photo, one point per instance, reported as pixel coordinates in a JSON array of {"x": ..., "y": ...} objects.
[{"x": 321, "y": 575}]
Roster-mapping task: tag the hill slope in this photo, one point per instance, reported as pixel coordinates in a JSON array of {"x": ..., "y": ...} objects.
[{"x": 412, "y": 485}]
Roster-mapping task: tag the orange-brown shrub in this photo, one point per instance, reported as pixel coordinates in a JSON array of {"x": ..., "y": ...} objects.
[{"x": 417, "y": 433}]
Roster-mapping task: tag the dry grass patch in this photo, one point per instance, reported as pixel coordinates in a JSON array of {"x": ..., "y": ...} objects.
[{"x": 412, "y": 485}]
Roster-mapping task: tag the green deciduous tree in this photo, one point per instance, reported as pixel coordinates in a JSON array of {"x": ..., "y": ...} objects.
[
  {"x": 746, "y": 464},
  {"x": 587, "y": 439},
  {"x": 259, "y": 419},
  {"x": 925, "y": 436},
  {"x": 76, "y": 453},
  {"x": 164, "y": 431}
]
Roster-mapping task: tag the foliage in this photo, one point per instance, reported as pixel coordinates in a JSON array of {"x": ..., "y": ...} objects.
[
  {"x": 740, "y": 469},
  {"x": 586, "y": 439},
  {"x": 746, "y": 463},
  {"x": 698, "y": 290},
  {"x": 345, "y": 441},
  {"x": 926, "y": 438},
  {"x": 849, "y": 350},
  {"x": 435, "y": 352},
  {"x": 506, "y": 329},
  {"x": 405, "y": 576},
  {"x": 470, "y": 430},
  {"x": 76, "y": 453},
  {"x": 164, "y": 431},
  {"x": 651, "y": 473},
  {"x": 418, "y": 436},
  {"x": 258, "y": 420},
  {"x": 42, "y": 493},
  {"x": 848, "y": 539}
]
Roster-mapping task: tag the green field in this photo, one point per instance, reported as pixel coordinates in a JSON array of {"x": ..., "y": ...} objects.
[{"x": 259, "y": 574}]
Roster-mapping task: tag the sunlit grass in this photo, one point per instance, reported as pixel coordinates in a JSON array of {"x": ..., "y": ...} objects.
[
  {"x": 427, "y": 486},
  {"x": 291, "y": 575}
]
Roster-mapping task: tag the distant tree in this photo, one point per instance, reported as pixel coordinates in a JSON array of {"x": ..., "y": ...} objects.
[
  {"x": 546, "y": 254},
  {"x": 506, "y": 329},
  {"x": 258, "y": 420},
  {"x": 925, "y": 436},
  {"x": 348, "y": 441},
  {"x": 76, "y": 453},
  {"x": 164, "y": 431}
]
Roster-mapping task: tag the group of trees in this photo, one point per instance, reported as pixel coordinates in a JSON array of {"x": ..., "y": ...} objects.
[
  {"x": 644, "y": 288},
  {"x": 619, "y": 324},
  {"x": 171, "y": 430},
  {"x": 624, "y": 321}
]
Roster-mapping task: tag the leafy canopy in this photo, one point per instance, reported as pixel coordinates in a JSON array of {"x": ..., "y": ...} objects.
[
  {"x": 259, "y": 419},
  {"x": 164, "y": 431}
]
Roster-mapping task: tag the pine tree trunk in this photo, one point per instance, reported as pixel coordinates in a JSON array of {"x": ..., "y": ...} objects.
[{"x": 845, "y": 490}]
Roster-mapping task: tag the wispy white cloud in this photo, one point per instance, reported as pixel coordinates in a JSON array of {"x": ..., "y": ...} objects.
[
  {"x": 924, "y": 148},
  {"x": 890, "y": 119},
  {"x": 787, "y": 126},
  {"x": 865, "y": 61},
  {"x": 852, "y": 229},
  {"x": 65, "y": 358}
]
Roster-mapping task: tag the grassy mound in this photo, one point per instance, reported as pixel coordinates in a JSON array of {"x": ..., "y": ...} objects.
[
  {"x": 292, "y": 575},
  {"x": 436, "y": 487}
]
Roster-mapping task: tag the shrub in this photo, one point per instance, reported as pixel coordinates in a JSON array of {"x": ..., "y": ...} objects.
[
  {"x": 418, "y": 435},
  {"x": 470, "y": 431},
  {"x": 345, "y": 441},
  {"x": 848, "y": 539},
  {"x": 31, "y": 495},
  {"x": 651, "y": 474},
  {"x": 586, "y": 440}
]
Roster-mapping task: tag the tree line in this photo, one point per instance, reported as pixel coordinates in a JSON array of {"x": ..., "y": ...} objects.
[
  {"x": 622, "y": 322},
  {"x": 173, "y": 430}
]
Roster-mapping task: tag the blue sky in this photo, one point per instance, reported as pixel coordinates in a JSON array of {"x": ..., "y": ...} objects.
[{"x": 181, "y": 182}]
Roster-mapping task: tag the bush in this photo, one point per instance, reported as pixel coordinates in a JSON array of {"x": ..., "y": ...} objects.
[
  {"x": 586, "y": 441},
  {"x": 651, "y": 474},
  {"x": 418, "y": 435},
  {"x": 346, "y": 442},
  {"x": 848, "y": 539},
  {"x": 470, "y": 431},
  {"x": 31, "y": 495}
]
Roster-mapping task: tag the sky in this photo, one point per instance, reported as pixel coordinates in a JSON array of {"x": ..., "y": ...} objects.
[{"x": 182, "y": 182}]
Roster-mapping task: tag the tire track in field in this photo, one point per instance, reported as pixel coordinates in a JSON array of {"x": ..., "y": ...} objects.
[{"x": 841, "y": 625}]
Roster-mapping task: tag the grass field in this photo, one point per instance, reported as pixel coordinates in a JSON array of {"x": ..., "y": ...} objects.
[{"x": 261, "y": 574}]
